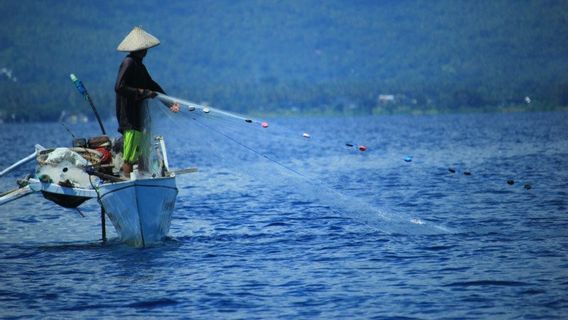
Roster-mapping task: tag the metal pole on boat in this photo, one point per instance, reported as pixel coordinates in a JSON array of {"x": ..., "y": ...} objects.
[
  {"x": 23, "y": 161},
  {"x": 163, "y": 151},
  {"x": 103, "y": 224},
  {"x": 83, "y": 91},
  {"x": 19, "y": 163}
]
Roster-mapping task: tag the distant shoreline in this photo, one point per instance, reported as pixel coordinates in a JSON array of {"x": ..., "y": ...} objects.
[
  {"x": 414, "y": 112},
  {"x": 328, "y": 113}
]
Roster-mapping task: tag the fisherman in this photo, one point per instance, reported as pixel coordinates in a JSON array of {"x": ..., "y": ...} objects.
[{"x": 133, "y": 86}]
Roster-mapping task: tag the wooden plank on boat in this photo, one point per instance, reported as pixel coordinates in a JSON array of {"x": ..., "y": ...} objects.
[
  {"x": 184, "y": 171},
  {"x": 15, "y": 194}
]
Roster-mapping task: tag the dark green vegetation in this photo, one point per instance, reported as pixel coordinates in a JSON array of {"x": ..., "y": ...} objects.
[{"x": 291, "y": 56}]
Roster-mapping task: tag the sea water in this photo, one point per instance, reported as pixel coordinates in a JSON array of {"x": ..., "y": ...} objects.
[{"x": 246, "y": 242}]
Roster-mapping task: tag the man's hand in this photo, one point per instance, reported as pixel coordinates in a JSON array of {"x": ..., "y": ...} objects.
[
  {"x": 174, "y": 107},
  {"x": 146, "y": 93}
]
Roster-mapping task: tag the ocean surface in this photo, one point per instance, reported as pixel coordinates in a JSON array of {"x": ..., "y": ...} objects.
[{"x": 441, "y": 217}]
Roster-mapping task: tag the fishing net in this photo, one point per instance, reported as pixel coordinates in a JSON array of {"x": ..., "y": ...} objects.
[
  {"x": 312, "y": 168},
  {"x": 150, "y": 160}
]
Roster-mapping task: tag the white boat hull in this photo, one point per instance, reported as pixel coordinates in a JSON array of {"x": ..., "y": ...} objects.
[{"x": 140, "y": 210}]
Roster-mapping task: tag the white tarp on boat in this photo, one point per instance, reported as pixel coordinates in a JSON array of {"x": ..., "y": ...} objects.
[
  {"x": 65, "y": 166},
  {"x": 58, "y": 155}
]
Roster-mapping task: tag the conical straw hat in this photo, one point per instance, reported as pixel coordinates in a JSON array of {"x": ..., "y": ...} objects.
[{"x": 138, "y": 39}]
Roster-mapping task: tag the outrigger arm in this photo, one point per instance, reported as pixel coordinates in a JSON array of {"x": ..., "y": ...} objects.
[
  {"x": 22, "y": 191},
  {"x": 35, "y": 185},
  {"x": 15, "y": 194},
  {"x": 25, "y": 160},
  {"x": 32, "y": 184}
]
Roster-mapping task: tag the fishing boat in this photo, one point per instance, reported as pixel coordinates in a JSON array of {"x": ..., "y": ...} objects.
[{"x": 140, "y": 208}]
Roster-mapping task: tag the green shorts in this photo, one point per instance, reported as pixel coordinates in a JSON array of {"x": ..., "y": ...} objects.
[{"x": 131, "y": 150}]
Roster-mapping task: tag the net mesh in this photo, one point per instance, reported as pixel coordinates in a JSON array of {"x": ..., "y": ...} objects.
[{"x": 314, "y": 166}]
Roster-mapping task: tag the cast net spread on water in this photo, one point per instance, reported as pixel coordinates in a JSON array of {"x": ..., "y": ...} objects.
[{"x": 309, "y": 167}]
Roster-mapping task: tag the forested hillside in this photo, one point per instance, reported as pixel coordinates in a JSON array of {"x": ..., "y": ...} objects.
[{"x": 291, "y": 56}]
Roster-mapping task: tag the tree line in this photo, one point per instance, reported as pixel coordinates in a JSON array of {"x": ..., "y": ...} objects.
[{"x": 293, "y": 57}]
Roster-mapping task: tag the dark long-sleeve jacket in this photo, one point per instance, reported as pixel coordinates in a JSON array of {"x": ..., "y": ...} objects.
[{"x": 132, "y": 75}]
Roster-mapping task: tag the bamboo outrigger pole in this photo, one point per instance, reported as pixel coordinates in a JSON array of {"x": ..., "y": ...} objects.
[{"x": 83, "y": 91}]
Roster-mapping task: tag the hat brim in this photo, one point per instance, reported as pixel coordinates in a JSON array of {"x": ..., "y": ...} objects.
[{"x": 137, "y": 40}]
